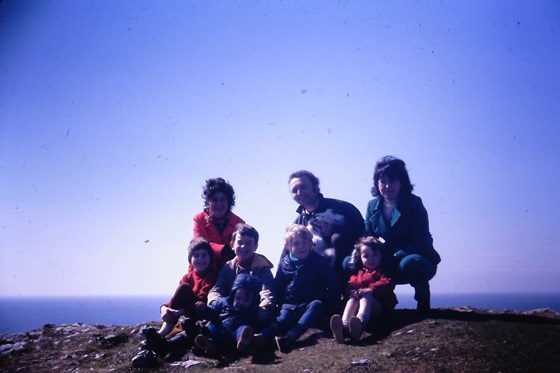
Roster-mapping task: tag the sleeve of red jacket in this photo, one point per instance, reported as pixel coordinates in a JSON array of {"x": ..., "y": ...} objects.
[
  {"x": 197, "y": 227},
  {"x": 382, "y": 287}
]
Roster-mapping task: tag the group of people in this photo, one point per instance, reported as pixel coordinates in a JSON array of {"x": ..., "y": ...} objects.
[{"x": 336, "y": 269}]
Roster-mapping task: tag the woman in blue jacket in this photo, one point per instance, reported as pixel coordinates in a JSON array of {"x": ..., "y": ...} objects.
[{"x": 399, "y": 217}]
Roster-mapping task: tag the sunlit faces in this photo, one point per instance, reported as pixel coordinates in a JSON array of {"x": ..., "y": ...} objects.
[
  {"x": 200, "y": 260},
  {"x": 218, "y": 205},
  {"x": 371, "y": 259},
  {"x": 389, "y": 188},
  {"x": 300, "y": 246},
  {"x": 244, "y": 247},
  {"x": 242, "y": 299},
  {"x": 302, "y": 191}
]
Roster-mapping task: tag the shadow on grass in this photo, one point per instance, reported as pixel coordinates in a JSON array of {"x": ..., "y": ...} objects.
[{"x": 401, "y": 318}]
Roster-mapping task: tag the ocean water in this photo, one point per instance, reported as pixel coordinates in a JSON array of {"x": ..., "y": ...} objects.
[{"x": 22, "y": 314}]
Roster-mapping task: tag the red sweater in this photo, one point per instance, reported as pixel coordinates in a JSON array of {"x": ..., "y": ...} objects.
[
  {"x": 200, "y": 283},
  {"x": 382, "y": 286}
]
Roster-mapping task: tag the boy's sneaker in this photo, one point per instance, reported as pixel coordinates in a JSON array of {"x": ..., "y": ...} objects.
[
  {"x": 206, "y": 344},
  {"x": 337, "y": 328},
  {"x": 284, "y": 344},
  {"x": 257, "y": 343},
  {"x": 244, "y": 339},
  {"x": 355, "y": 328}
]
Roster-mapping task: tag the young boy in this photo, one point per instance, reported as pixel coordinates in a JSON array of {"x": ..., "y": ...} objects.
[
  {"x": 306, "y": 287},
  {"x": 233, "y": 318},
  {"x": 245, "y": 240},
  {"x": 370, "y": 292}
]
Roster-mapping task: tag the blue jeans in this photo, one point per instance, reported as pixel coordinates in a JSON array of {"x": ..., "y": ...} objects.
[
  {"x": 298, "y": 319},
  {"x": 414, "y": 269},
  {"x": 224, "y": 337},
  {"x": 417, "y": 271}
]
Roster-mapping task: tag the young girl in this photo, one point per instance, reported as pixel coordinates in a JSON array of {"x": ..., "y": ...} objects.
[
  {"x": 190, "y": 296},
  {"x": 370, "y": 292}
]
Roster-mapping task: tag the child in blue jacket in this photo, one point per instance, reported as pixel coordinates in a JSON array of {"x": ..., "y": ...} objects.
[
  {"x": 233, "y": 319},
  {"x": 307, "y": 288}
]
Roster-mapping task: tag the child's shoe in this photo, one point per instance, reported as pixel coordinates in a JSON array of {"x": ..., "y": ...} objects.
[
  {"x": 284, "y": 344},
  {"x": 145, "y": 359},
  {"x": 189, "y": 327},
  {"x": 154, "y": 341},
  {"x": 244, "y": 339},
  {"x": 337, "y": 328},
  {"x": 257, "y": 343},
  {"x": 206, "y": 344},
  {"x": 355, "y": 328}
]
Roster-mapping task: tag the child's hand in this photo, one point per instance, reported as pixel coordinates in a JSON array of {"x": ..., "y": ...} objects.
[{"x": 364, "y": 292}]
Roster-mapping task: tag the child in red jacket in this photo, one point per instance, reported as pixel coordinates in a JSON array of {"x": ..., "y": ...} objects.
[
  {"x": 370, "y": 292},
  {"x": 192, "y": 293},
  {"x": 189, "y": 299}
]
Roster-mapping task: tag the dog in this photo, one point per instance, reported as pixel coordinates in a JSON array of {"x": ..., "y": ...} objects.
[{"x": 317, "y": 225}]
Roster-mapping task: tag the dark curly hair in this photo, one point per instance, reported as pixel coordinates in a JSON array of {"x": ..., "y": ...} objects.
[
  {"x": 214, "y": 186},
  {"x": 393, "y": 168}
]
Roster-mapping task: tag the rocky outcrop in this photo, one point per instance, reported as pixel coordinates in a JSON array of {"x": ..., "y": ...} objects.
[{"x": 459, "y": 339}]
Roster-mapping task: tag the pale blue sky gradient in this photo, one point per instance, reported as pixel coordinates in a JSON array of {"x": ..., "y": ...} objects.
[{"x": 112, "y": 115}]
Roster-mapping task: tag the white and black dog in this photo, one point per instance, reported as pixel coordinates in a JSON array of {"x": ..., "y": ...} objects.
[{"x": 316, "y": 227}]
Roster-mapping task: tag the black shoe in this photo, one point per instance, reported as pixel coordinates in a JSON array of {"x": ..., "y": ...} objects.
[
  {"x": 190, "y": 328},
  {"x": 257, "y": 344},
  {"x": 284, "y": 344},
  {"x": 423, "y": 308},
  {"x": 207, "y": 344},
  {"x": 422, "y": 296},
  {"x": 145, "y": 359},
  {"x": 154, "y": 341}
]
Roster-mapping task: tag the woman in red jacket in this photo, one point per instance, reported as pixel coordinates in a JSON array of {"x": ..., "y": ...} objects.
[{"x": 217, "y": 222}]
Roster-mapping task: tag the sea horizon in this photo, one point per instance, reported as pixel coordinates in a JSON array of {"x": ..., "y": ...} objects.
[{"x": 20, "y": 314}]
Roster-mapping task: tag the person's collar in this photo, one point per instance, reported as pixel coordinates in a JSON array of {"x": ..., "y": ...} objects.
[{"x": 247, "y": 264}]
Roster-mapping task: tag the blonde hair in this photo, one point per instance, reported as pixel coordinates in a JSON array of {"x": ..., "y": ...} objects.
[{"x": 294, "y": 230}]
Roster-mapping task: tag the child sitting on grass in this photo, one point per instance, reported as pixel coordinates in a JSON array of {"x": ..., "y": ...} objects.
[
  {"x": 244, "y": 241},
  {"x": 189, "y": 299},
  {"x": 307, "y": 288},
  {"x": 370, "y": 292},
  {"x": 233, "y": 319}
]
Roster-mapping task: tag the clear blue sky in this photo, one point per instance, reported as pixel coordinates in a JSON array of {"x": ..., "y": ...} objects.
[{"x": 112, "y": 115}]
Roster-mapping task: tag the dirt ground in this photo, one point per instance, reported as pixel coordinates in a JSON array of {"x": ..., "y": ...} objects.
[{"x": 450, "y": 340}]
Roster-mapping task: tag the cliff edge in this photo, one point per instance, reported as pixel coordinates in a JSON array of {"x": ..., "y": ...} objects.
[{"x": 451, "y": 340}]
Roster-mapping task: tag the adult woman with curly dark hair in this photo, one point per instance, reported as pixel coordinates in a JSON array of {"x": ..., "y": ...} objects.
[
  {"x": 217, "y": 222},
  {"x": 400, "y": 218}
]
